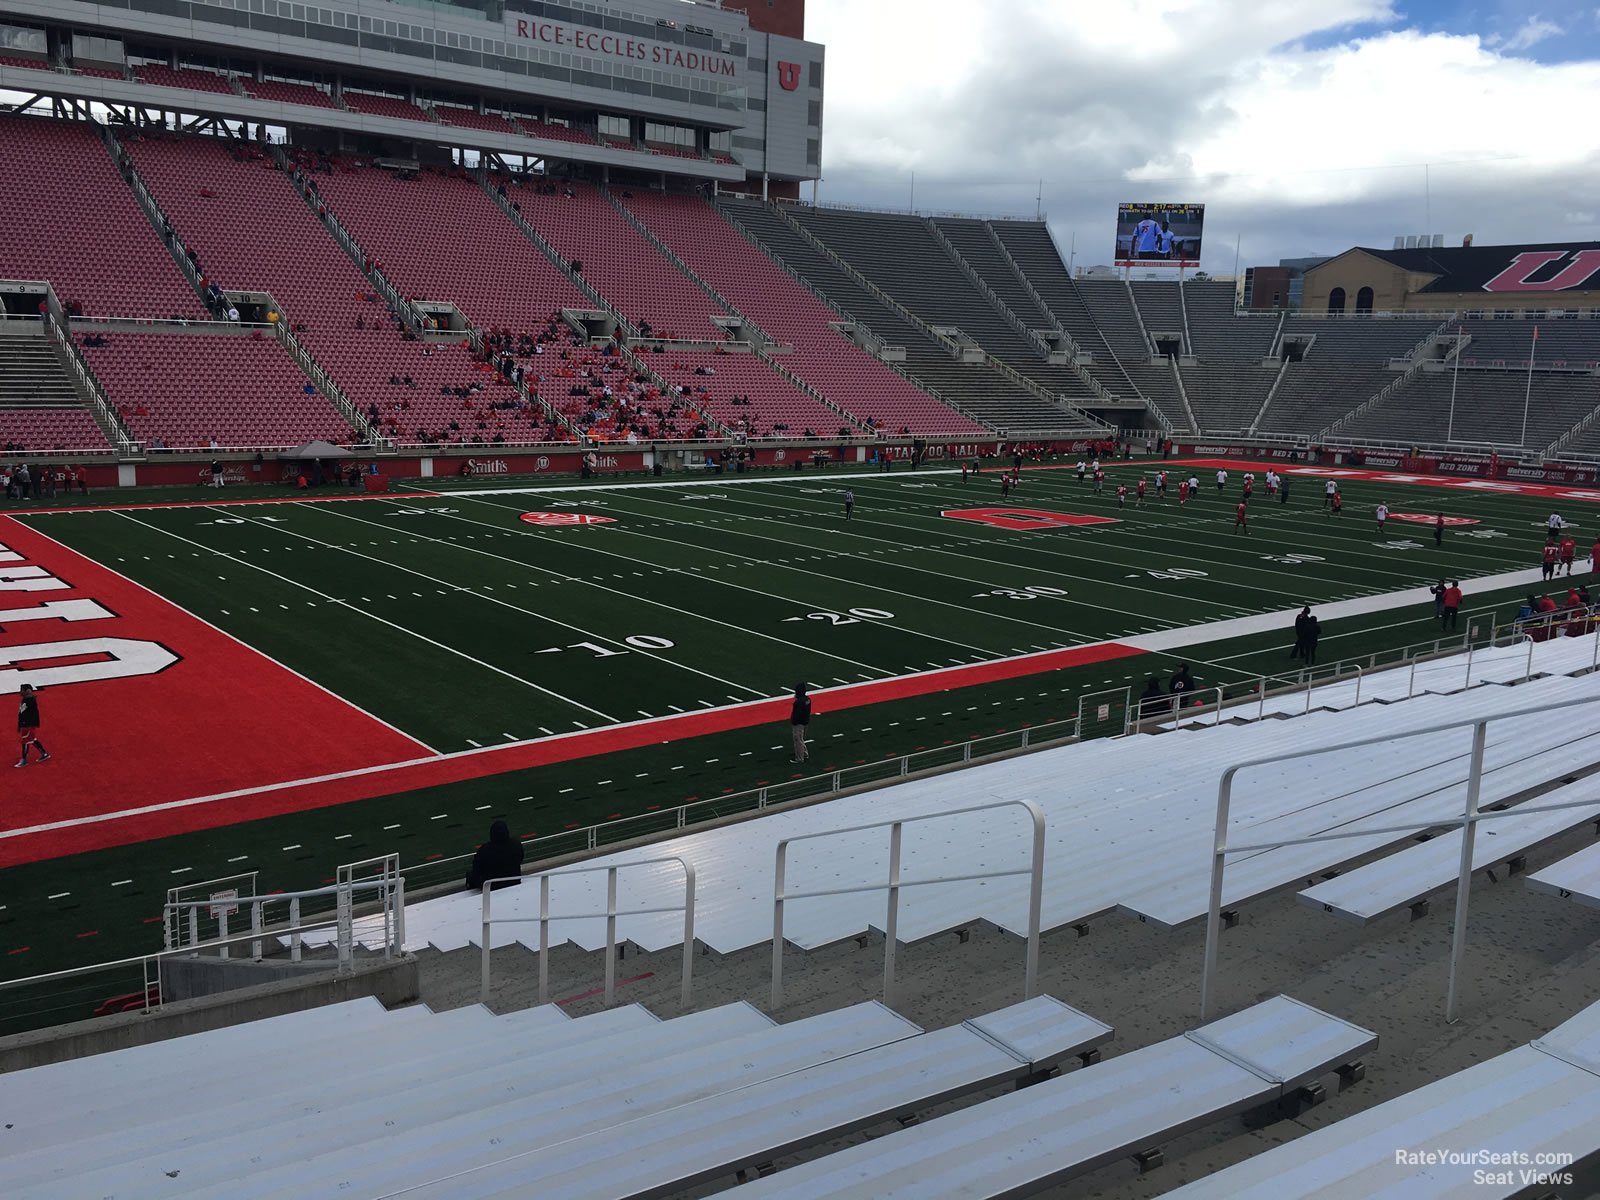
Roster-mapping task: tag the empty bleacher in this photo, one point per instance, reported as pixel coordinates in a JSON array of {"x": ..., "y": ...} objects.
[
  {"x": 1365, "y": 343},
  {"x": 47, "y": 427},
  {"x": 1488, "y": 408},
  {"x": 1572, "y": 344},
  {"x": 1217, "y": 333},
  {"x": 376, "y": 105},
  {"x": 31, "y": 370},
  {"x": 471, "y": 118},
  {"x": 1161, "y": 310},
  {"x": 640, "y": 282},
  {"x": 784, "y": 310},
  {"x": 1315, "y": 394},
  {"x": 81, "y": 228},
  {"x": 1493, "y": 1129},
  {"x": 189, "y": 78},
  {"x": 1227, "y": 396},
  {"x": 465, "y": 1103},
  {"x": 975, "y": 387},
  {"x": 901, "y": 256},
  {"x": 1575, "y": 878},
  {"x": 184, "y": 391},
  {"x": 252, "y": 232},
  {"x": 282, "y": 92}
]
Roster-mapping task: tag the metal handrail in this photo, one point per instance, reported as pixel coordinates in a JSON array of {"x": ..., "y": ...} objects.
[
  {"x": 1035, "y": 871},
  {"x": 1468, "y": 822},
  {"x": 611, "y": 913}
]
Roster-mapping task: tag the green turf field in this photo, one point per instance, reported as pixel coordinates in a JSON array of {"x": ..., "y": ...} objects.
[{"x": 454, "y": 621}]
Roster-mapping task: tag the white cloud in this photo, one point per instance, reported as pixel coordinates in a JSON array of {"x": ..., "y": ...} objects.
[
  {"x": 1534, "y": 30},
  {"x": 1303, "y": 145}
]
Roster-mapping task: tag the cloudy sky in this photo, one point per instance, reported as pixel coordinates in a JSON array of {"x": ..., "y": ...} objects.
[{"x": 1305, "y": 126}]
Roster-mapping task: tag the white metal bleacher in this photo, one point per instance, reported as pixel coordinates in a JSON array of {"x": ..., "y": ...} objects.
[
  {"x": 1539, "y": 1099},
  {"x": 1403, "y": 879},
  {"x": 475, "y": 1090},
  {"x": 1028, "y": 1140},
  {"x": 1575, "y": 878},
  {"x": 1134, "y": 810},
  {"x": 1494, "y": 664},
  {"x": 680, "y": 1147}
]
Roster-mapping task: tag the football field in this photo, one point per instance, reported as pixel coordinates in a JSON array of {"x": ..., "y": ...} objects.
[{"x": 240, "y": 681}]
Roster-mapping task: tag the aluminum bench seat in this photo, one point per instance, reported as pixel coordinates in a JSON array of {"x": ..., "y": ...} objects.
[
  {"x": 132, "y": 1105},
  {"x": 85, "y": 1077},
  {"x": 610, "y": 1090},
  {"x": 1028, "y": 1140},
  {"x": 1575, "y": 878},
  {"x": 1539, "y": 1099},
  {"x": 694, "y": 1143},
  {"x": 1519, "y": 758},
  {"x": 222, "y": 1145},
  {"x": 1409, "y": 876}
]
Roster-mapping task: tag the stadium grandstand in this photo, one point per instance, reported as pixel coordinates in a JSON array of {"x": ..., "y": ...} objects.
[{"x": 812, "y": 701}]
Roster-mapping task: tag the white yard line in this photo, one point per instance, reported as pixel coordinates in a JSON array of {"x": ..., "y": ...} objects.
[{"x": 370, "y": 616}]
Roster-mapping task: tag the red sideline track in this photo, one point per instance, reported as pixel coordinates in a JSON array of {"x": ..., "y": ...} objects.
[{"x": 100, "y": 831}]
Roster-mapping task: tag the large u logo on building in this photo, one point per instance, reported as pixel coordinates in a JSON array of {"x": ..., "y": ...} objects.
[
  {"x": 788, "y": 76},
  {"x": 1515, "y": 277}
]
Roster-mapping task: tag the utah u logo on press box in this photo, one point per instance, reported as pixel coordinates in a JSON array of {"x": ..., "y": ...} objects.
[{"x": 788, "y": 76}]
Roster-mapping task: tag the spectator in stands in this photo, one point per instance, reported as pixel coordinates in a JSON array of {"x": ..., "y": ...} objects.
[
  {"x": 1438, "y": 590},
  {"x": 1182, "y": 683},
  {"x": 499, "y": 858},
  {"x": 1313, "y": 634},
  {"x": 800, "y": 723}
]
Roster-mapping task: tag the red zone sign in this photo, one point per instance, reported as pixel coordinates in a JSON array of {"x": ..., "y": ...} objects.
[
  {"x": 560, "y": 518},
  {"x": 1425, "y": 519},
  {"x": 1023, "y": 518},
  {"x": 145, "y": 704}
]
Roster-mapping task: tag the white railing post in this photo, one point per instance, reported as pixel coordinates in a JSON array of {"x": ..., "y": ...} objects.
[
  {"x": 342, "y": 912},
  {"x": 1470, "y": 649},
  {"x": 1527, "y": 673},
  {"x": 194, "y": 923},
  {"x": 255, "y": 927},
  {"x": 1219, "y": 854},
  {"x": 222, "y": 930},
  {"x": 611, "y": 936},
  {"x": 544, "y": 939},
  {"x": 891, "y": 927},
  {"x": 688, "y": 932},
  {"x": 1359, "y": 677},
  {"x": 1469, "y": 832},
  {"x": 484, "y": 942},
  {"x": 1411, "y": 680},
  {"x": 779, "y": 874},
  {"x": 294, "y": 930}
]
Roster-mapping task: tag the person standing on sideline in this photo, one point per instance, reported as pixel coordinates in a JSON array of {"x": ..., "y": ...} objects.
[
  {"x": 1547, "y": 561},
  {"x": 800, "y": 722},
  {"x": 216, "y": 472},
  {"x": 1438, "y": 530},
  {"x": 1452, "y": 605},
  {"x": 849, "y": 504},
  {"x": 1569, "y": 551},
  {"x": 1302, "y": 624},
  {"x": 28, "y": 724},
  {"x": 1382, "y": 515},
  {"x": 1438, "y": 591},
  {"x": 1313, "y": 632}
]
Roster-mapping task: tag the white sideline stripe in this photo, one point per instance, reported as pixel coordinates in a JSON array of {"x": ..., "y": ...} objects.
[
  {"x": 363, "y": 612},
  {"x": 290, "y": 670},
  {"x": 1172, "y": 639}
]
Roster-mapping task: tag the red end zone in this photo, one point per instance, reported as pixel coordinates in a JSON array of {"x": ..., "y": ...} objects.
[{"x": 143, "y": 703}]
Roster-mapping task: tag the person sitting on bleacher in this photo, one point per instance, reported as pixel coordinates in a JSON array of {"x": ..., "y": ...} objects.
[{"x": 499, "y": 857}]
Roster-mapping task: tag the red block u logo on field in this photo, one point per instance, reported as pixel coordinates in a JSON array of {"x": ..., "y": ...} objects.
[
  {"x": 788, "y": 76},
  {"x": 1023, "y": 518}
]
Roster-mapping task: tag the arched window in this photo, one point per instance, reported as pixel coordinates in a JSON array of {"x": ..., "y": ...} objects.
[
  {"x": 1364, "y": 300},
  {"x": 1336, "y": 302}
]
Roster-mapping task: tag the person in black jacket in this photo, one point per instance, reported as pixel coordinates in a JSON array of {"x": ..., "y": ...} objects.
[
  {"x": 497, "y": 858},
  {"x": 1153, "y": 701},
  {"x": 28, "y": 725},
  {"x": 1302, "y": 626},
  {"x": 800, "y": 722}
]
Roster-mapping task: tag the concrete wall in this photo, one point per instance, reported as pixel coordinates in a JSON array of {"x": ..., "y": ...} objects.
[{"x": 393, "y": 983}]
